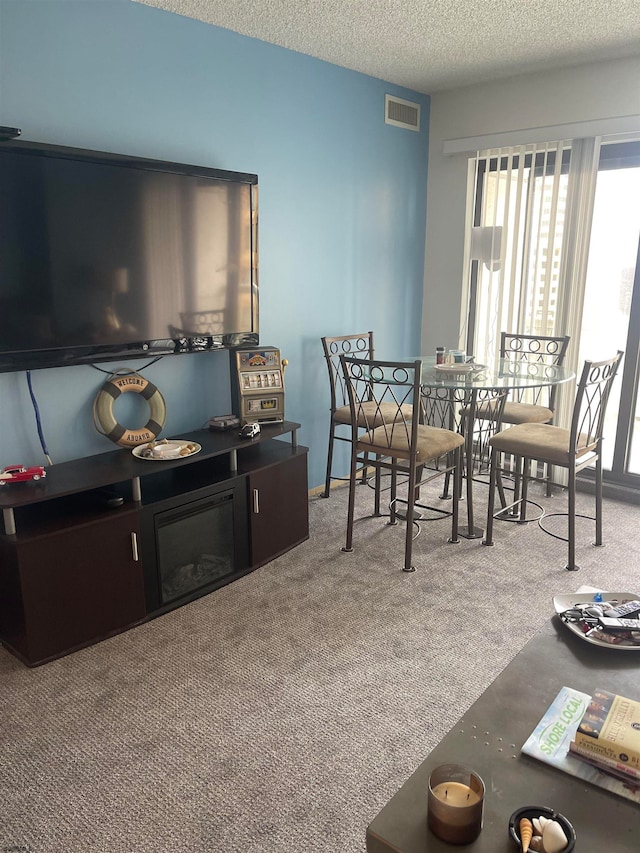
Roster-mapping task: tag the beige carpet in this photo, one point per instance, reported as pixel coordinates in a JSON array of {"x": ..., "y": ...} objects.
[{"x": 279, "y": 714}]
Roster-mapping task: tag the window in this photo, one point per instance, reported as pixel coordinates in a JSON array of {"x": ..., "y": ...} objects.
[{"x": 520, "y": 194}]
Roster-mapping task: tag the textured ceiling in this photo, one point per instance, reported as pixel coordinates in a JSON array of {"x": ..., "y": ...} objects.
[{"x": 431, "y": 45}]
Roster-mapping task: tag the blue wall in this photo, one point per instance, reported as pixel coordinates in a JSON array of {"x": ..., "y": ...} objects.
[{"x": 342, "y": 197}]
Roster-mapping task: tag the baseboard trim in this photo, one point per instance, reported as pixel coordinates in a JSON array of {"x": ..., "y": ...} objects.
[
  {"x": 337, "y": 484},
  {"x": 614, "y": 491}
]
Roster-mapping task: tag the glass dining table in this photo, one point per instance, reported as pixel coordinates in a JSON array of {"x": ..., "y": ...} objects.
[{"x": 455, "y": 394}]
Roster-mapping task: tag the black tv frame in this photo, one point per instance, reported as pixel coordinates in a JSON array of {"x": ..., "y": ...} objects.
[{"x": 75, "y": 355}]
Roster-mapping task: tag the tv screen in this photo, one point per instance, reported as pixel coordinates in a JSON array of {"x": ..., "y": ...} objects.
[{"x": 104, "y": 256}]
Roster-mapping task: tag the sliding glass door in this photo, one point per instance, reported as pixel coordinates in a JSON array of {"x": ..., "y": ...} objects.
[
  {"x": 554, "y": 243},
  {"x": 611, "y": 309}
]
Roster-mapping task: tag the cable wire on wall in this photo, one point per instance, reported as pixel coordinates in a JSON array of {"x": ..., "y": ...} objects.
[{"x": 34, "y": 402}]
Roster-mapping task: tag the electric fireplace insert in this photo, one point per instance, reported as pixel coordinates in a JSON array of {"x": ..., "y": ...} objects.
[{"x": 199, "y": 545}]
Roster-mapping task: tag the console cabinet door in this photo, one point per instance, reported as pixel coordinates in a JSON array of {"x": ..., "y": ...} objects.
[
  {"x": 278, "y": 508},
  {"x": 79, "y": 584}
]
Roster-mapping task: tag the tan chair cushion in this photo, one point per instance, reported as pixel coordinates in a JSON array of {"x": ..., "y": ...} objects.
[
  {"x": 517, "y": 413},
  {"x": 525, "y": 413},
  {"x": 395, "y": 441},
  {"x": 545, "y": 442},
  {"x": 372, "y": 414}
]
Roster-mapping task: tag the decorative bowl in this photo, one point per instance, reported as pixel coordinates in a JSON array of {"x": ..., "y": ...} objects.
[{"x": 541, "y": 811}]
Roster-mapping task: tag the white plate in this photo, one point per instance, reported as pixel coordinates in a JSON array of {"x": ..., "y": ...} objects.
[
  {"x": 460, "y": 368},
  {"x": 177, "y": 446},
  {"x": 567, "y": 600}
]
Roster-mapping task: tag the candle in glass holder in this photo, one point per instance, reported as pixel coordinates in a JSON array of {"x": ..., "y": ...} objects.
[{"x": 455, "y": 804}]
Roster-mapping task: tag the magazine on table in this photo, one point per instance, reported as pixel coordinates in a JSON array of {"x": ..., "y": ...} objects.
[{"x": 551, "y": 738}]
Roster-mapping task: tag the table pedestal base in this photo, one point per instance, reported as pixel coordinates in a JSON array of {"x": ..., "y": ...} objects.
[{"x": 471, "y": 532}]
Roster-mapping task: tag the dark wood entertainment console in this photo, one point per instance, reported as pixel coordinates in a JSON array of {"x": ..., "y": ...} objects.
[{"x": 74, "y": 569}]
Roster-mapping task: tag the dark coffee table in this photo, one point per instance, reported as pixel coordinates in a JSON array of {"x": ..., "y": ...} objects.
[{"x": 488, "y": 739}]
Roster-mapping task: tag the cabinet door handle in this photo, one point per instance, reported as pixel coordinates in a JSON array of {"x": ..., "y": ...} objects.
[
  {"x": 256, "y": 502},
  {"x": 134, "y": 546}
]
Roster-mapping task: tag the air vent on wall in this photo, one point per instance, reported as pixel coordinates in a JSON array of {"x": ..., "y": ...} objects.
[{"x": 401, "y": 113}]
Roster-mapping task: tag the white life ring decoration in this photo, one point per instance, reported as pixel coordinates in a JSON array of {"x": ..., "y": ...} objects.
[{"x": 109, "y": 426}]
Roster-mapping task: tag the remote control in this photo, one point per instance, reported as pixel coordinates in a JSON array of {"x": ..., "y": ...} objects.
[
  {"x": 612, "y": 624},
  {"x": 623, "y": 610}
]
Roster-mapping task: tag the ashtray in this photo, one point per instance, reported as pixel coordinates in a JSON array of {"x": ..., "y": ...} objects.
[{"x": 554, "y": 840}]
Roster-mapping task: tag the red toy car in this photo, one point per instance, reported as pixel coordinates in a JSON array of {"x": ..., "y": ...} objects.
[{"x": 21, "y": 474}]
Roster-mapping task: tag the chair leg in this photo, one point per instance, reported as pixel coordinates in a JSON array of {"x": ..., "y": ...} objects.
[
  {"x": 353, "y": 473},
  {"x": 571, "y": 565},
  {"x": 365, "y": 468},
  {"x": 327, "y": 482},
  {"x": 457, "y": 486},
  {"x": 419, "y": 476},
  {"x": 523, "y": 465},
  {"x": 501, "y": 492},
  {"x": 445, "y": 491},
  {"x": 493, "y": 473},
  {"x": 408, "y": 537},
  {"x": 598, "y": 500},
  {"x": 517, "y": 484},
  {"x": 468, "y": 461},
  {"x": 376, "y": 498},
  {"x": 549, "y": 479},
  {"x": 392, "y": 503}
]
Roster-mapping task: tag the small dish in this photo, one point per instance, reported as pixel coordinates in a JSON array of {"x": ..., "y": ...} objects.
[
  {"x": 566, "y": 601},
  {"x": 541, "y": 811},
  {"x": 168, "y": 451}
]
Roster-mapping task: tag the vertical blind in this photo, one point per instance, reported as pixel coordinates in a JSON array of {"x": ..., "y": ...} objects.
[
  {"x": 527, "y": 237},
  {"x": 516, "y": 237}
]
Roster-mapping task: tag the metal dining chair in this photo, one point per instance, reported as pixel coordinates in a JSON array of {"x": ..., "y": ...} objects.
[
  {"x": 355, "y": 346},
  {"x": 401, "y": 445},
  {"x": 454, "y": 408},
  {"x": 532, "y": 405},
  {"x": 573, "y": 449}
]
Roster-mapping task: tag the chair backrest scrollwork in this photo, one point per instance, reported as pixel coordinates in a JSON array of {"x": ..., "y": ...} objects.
[
  {"x": 535, "y": 350},
  {"x": 354, "y": 346},
  {"x": 592, "y": 396},
  {"x": 383, "y": 396}
]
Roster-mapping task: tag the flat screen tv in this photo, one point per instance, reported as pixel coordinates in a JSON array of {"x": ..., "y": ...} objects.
[{"x": 104, "y": 257}]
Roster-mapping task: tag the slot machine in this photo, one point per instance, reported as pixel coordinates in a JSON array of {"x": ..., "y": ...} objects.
[{"x": 257, "y": 384}]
